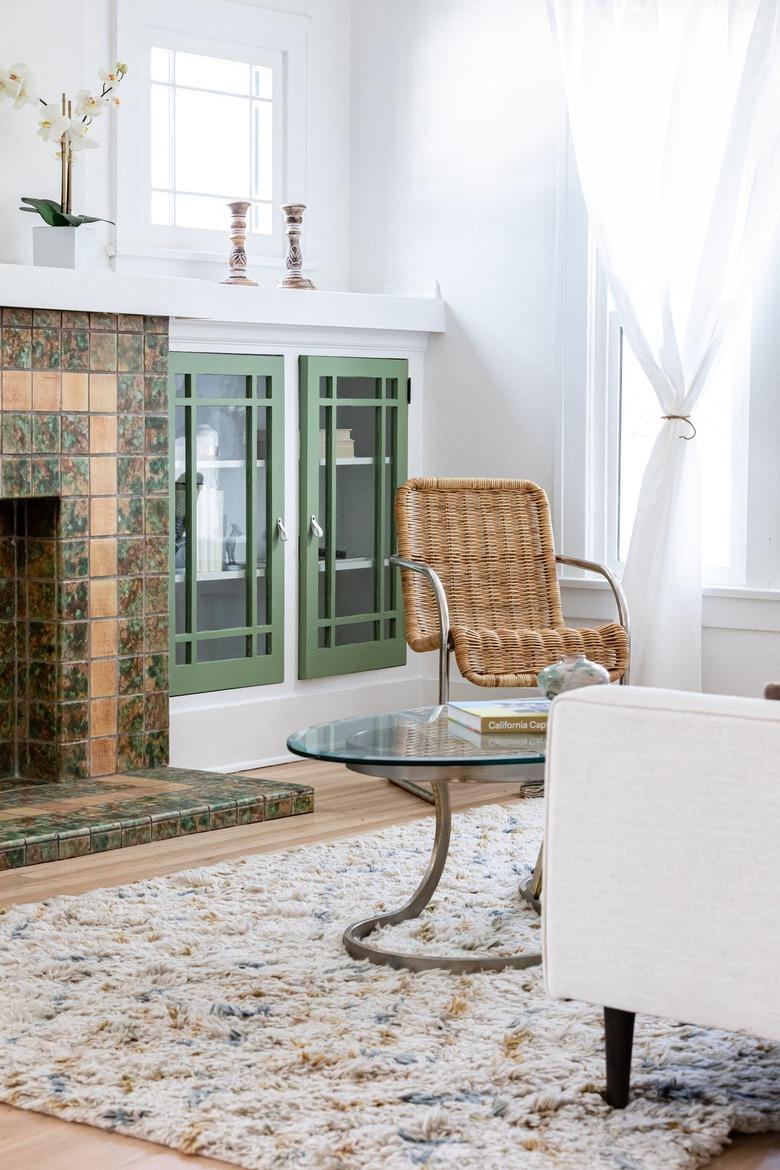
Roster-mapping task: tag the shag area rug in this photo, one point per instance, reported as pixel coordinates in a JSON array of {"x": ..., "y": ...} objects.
[{"x": 216, "y": 1011}]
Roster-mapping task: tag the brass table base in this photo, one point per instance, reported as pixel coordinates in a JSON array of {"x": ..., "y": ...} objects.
[{"x": 355, "y": 934}]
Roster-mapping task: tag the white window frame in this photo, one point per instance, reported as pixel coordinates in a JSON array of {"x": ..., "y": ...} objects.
[
  {"x": 231, "y": 31},
  {"x": 587, "y": 504}
]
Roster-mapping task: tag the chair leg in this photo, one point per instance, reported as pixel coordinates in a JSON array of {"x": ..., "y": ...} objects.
[
  {"x": 619, "y": 1040},
  {"x": 444, "y": 693}
]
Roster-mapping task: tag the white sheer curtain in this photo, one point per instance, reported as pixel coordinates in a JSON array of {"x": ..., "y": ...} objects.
[{"x": 674, "y": 109}]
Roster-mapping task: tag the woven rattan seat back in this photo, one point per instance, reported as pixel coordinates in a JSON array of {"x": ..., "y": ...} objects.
[{"x": 490, "y": 541}]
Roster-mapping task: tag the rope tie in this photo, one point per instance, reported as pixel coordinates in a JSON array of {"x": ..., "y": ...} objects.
[{"x": 683, "y": 418}]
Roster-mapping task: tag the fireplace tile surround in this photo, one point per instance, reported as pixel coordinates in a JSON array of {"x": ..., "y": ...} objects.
[{"x": 83, "y": 543}]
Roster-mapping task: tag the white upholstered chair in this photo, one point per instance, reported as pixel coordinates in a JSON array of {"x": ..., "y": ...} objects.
[{"x": 662, "y": 862}]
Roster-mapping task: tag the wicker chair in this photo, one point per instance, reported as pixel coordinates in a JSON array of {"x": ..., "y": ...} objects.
[
  {"x": 480, "y": 578},
  {"x": 485, "y": 546}
]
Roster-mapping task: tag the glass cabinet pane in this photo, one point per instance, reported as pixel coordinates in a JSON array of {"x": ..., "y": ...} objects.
[
  {"x": 223, "y": 386},
  {"x": 227, "y": 565},
  {"x": 352, "y": 463}
]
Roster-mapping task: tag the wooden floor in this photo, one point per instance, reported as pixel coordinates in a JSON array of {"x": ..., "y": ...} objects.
[{"x": 345, "y": 805}]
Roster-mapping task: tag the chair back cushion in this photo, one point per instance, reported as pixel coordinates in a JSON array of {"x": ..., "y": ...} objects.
[{"x": 491, "y": 542}]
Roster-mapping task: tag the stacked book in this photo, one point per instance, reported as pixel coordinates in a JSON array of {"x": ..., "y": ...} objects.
[
  {"x": 344, "y": 443},
  {"x": 519, "y": 723}
]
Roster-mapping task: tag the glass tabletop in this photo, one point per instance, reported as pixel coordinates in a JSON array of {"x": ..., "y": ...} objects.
[{"x": 419, "y": 736}]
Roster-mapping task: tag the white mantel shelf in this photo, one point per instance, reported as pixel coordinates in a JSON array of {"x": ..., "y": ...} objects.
[{"x": 104, "y": 291}]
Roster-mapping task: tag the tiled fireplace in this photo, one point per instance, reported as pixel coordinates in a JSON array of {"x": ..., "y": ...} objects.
[
  {"x": 83, "y": 544},
  {"x": 84, "y": 599}
]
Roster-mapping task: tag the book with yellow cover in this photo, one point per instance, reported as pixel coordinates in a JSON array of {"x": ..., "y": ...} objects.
[{"x": 506, "y": 717}]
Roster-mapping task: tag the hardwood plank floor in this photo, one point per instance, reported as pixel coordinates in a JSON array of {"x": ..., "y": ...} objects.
[{"x": 346, "y": 804}]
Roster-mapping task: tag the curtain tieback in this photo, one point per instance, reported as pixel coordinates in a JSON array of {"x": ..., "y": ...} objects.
[{"x": 683, "y": 418}]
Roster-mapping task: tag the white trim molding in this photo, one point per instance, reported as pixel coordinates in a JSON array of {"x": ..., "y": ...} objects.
[
  {"x": 724, "y": 607},
  {"x": 103, "y": 291}
]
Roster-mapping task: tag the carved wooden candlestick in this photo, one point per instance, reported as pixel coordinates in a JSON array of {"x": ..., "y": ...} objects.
[
  {"x": 293, "y": 262},
  {"x": 237, "y": 259}
]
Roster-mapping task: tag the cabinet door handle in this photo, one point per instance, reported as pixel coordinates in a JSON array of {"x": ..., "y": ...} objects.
[
  {"x": 316, "y": 529},
  {"x": 280, "y": 528}
]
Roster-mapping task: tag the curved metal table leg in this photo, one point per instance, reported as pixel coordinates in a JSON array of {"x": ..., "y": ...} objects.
[
  {"x": 531, "y": 891},
  {"x": 354, "y": 934}
]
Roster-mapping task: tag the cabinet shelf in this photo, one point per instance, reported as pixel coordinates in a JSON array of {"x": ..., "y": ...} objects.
[
  {"x": 343, "y": 565},
  {"x": 354, "y": 461},
  {"x": 222, "y": 464},
  {"x": 220, "y": 575},
  {"x": 347, "y": 563}
]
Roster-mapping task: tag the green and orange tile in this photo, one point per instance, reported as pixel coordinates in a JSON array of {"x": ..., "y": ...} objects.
[{"x": 134, "y": 812}]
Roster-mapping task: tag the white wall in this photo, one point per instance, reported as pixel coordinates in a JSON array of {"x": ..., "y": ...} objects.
[
  {"x": 455, "y": 124},
  {"x": 457, "y": 119},
  {"x": 66, "y": 44}
]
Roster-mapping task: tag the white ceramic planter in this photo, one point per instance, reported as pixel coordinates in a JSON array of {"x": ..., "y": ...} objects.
[{"x": 65, "y": 247}]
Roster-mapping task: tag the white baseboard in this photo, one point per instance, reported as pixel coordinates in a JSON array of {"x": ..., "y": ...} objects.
[
  {"x": 249, "y": 765},
  {"x": 237, "y": 730}
]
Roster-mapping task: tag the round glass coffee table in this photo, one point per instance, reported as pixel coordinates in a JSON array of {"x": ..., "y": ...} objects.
[{"x": 410, "y": 747}]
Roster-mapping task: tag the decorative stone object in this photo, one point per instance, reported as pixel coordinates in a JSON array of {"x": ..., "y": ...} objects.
[
  {"x": 293, "y": 226},
  {"x": 569, "y": 673},
  {"x": 237, "y": 260}
]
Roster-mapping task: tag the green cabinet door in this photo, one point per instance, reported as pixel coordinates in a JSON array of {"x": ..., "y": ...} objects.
[
  {"x": 227, "y": 564},
  {"x": 353, "y": 417}
]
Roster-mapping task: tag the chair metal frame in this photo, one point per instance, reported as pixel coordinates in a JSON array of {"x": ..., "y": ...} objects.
[
  {"x": 445, "y": 643},
  {"x": 531, "y": 890}
]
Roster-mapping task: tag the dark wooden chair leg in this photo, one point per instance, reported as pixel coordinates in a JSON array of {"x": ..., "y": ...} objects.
[{"x": 619, "y": 1039}]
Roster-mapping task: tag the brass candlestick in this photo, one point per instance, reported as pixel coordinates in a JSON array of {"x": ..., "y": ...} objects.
[
  {"x": 293, "y": 262},
  {"x": 237, "y": 260}
]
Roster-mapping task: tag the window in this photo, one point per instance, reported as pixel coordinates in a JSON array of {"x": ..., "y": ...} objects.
[
  {"x": 721, "y": 434},
  {"x": 216, "y": 102},
  {"x": 212, "y": 140},
  {"x": 610, "y": 418}
]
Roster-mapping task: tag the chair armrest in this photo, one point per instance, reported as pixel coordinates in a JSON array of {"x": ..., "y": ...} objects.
[
  {"x": 615, "y": 586},
  {"x": 443, "y": 612}
]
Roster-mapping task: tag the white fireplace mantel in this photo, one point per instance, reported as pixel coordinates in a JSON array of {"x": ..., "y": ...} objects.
[{"x": 103, "y": 291}]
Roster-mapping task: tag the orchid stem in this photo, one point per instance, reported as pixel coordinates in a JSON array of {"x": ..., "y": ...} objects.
[
  {"x": 69, "y": 191},
  {"x": 63, "y": 162}
]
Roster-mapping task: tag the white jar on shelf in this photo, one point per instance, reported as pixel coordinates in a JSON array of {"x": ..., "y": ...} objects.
[{"x": 206, "y": 442}]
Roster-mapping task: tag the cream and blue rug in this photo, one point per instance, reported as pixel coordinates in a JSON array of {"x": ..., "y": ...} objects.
[{"x": 216, "y": 1011}]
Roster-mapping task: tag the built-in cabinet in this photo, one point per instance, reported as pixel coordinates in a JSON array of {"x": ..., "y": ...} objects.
[{"x": 229, "y": 525}]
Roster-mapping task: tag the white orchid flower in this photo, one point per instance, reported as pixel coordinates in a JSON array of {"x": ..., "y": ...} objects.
[
  {"x": 53, "y": 126},
  {"x": 79, "y": 136},
  {"x": 88, "y": 105},
  {"x": 110, "y": 78},
  {"x": 17, "y": 84}
]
